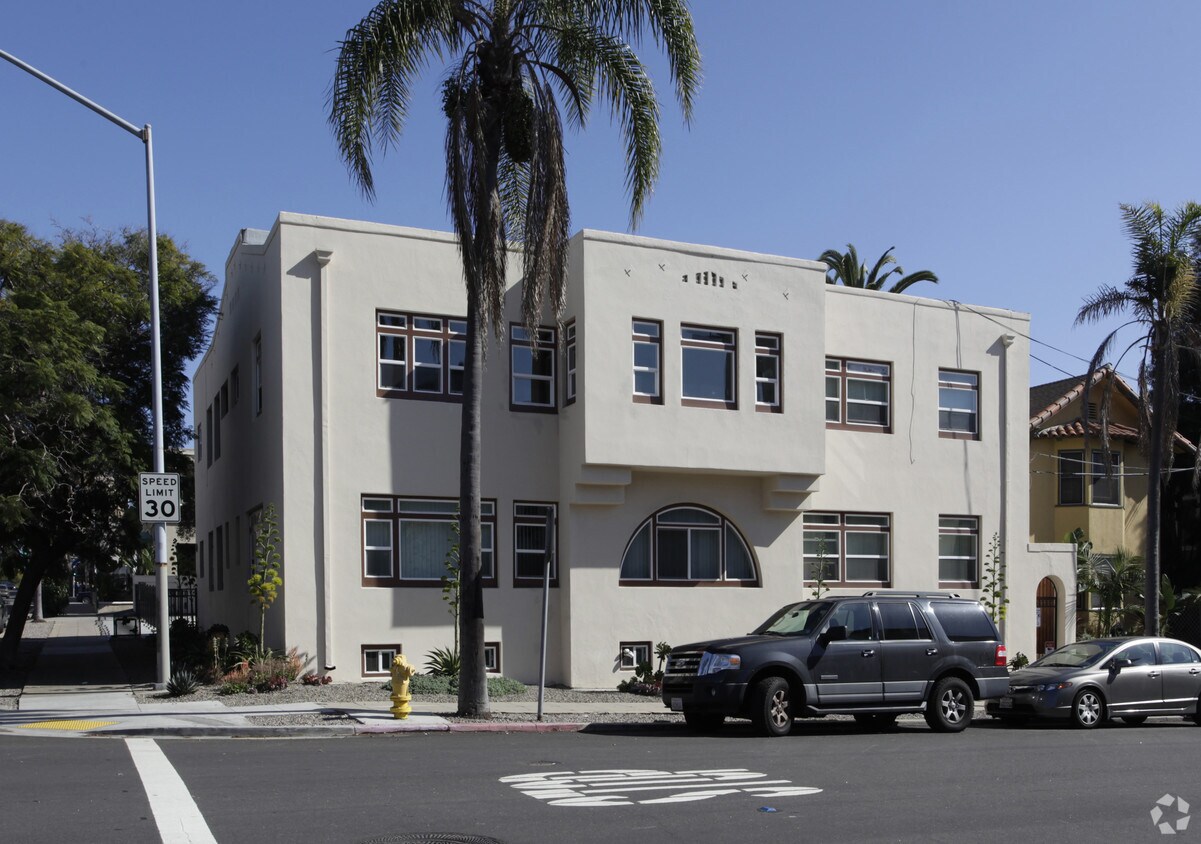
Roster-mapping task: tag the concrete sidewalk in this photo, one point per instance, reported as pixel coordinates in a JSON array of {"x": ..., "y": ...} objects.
[{"x": 78, "y": 688}]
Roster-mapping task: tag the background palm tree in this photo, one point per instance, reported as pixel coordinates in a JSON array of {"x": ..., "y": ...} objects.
[
  {"x": 1116, "y": 579},
  {"x": 511, "y": 65},
  {"x": 846, "y": 269},
  {"x": 1161, "y": 296}
]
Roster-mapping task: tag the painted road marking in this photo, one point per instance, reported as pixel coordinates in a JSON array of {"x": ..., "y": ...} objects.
[
  {"x": 175, "y": 812},
  {"x": 629, "y": 786}
]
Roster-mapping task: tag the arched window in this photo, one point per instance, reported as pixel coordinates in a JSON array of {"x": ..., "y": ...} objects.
[{"x": 685, "y": 545}]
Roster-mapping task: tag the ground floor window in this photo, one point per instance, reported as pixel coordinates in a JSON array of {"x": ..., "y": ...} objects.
[
  {"x": 408, "y": 541},
  {"x": 633, "y": 654},
  {"x": 530, "y": 541},
  {"x": 492, "y": 657},
  {"x": 848, "y": 548},
  {"x": 688, "y": 545},
  {"x": 377, "y": 659}
]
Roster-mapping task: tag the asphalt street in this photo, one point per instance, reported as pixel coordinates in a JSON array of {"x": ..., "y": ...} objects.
[{"x": 826, "y": 782}]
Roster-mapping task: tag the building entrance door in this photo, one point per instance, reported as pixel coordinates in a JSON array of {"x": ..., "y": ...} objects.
[{"x": 1046, "y": 615}]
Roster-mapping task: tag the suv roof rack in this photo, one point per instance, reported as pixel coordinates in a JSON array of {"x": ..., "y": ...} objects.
[{"x": 896, "y": 594}]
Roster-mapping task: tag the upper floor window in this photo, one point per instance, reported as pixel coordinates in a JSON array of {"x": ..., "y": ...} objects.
[
  {"x": 235, "y": 385},
  {"x": 406, "y": 541},
  {"x": 208, "y": 426},
  {"x": 959, "y": 550},
  {"x": 858, "y": 395},
  {"x": 767, "y": 372},
  {"x": 708, "y": 365},
  {"x": 851, "y": 548},
  {"x": 958, "y": 404},
  {"x": 532, "y": 367},
  {"x": 258, "y": 375},
  {"x": 684, "y": 546},
  {"x": 530, "y": 543},
  {"x": 1075, "y": 477},
  {"x": 420, "y": 356},
  {"x": 648, "y": 357},
  {"x": 569, "y": 354}
]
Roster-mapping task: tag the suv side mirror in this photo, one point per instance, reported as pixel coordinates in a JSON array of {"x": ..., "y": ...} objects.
[
  {"x": 837, "y": 633},
  {"x": 1120, "y": 663}
]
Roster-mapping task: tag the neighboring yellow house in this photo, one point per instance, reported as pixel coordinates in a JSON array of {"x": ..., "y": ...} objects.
[{"x": 1069, "y": 487}]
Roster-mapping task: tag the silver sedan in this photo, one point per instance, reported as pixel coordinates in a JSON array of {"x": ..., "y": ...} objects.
[{"x": 1091, "y": 681}]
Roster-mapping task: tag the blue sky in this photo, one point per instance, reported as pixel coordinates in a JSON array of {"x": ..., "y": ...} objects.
[{"x": 989, "y": 142}]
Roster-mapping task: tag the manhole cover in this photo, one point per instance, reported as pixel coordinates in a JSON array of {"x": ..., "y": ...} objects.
[{"x": 431, "y": 838}]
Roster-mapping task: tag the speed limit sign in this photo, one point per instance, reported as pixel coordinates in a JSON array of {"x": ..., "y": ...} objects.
[{"x": 158, "y": 497}]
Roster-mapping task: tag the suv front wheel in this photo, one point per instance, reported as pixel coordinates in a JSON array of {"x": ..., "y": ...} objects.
[
  {"x": 772, "y": 706},
  {"x": 949, "y": 709}
]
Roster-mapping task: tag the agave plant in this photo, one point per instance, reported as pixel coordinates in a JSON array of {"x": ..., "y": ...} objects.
[
  {"x": 182, "y": 683},
  {"x": 442, "y": 662}
]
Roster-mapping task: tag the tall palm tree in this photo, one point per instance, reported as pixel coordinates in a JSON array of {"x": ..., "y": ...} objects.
[
  {"x": 1161, "y": 296},
  {"x": 846, "y": 269},
  {"x": 511, "y": 66}
]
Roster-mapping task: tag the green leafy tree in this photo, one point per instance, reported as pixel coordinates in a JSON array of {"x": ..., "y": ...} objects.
[
  {"x": 847, "y": 270},
  {"x": 1161, "y": 297},
  {"x": 511, "y": 66},
  {"x": 75, "y": 395},
  {"x": 265, "y": 567}
]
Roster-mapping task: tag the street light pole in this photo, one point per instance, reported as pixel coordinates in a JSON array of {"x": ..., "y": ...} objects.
[{"x": 160, "y": 528}]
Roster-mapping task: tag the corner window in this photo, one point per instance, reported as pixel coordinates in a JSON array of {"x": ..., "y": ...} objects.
[
  {"x": 630, "y": 655},
  {"x": 708, "y": 364},
  {"x": 1107, "y": 491},
  {"x": 958, "y": 551},
  {"x": 529, "y": 544},
  {"x": 958, "y": 404},
  {"x": 858, "y": 395},
  {"x": 532, "y": 369},
  {"x": 687, "y": 546},
  {"x": 767, "y": 373},
  {"x": 1071, "y": 477},
  {"x": 406, "y": 541},
  {"x": 420, "y": 356},
  {"x": 854, "y": 548},
  {"x": 377, "y": 659},
  {"x": 648, "y": 356},
  {"x": 569, "y": 355}
]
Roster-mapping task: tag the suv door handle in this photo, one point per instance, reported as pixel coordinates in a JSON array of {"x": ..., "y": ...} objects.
[
  {"x": 1194, "y": 671},
  {"x": 931, "y": 651},
  {"x": 867, "y": 653}
]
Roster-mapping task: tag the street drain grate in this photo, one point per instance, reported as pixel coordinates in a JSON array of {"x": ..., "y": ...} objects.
[
  {"x": 67, "y": 725},
  {"x": 431, "y": 838}
]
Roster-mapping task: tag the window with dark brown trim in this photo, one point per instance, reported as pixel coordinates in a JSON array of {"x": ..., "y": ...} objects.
[
  {"x": 420, "y": 356},
  {"x": 529, "y": 543},
  {"x": 708, "y": 367},
  {"x": 1071, "y": 477},
  {"x": 377, "y": 659},
  {"x": 531, "y": 369},
  {"x": 769, "y": 371},
  {"x": 569, "y": 363},
  {"x": 492, "y": 657},
  {"x": 630, "y": 655},
  {"x": 854, "y": 549},
  {"x": 257, "y": 357},
  {"x": 959, "y": 551},
  {"x": 858, "y": 395},
  {"x": 647, "y": 336},
  {"x": 958, "y": 404},
  {"x": 406, "y": 540},
  {"x": 687, "y": 545}
]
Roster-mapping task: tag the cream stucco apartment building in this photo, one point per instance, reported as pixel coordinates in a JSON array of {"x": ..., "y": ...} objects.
[{"x": 706, "y": 421}]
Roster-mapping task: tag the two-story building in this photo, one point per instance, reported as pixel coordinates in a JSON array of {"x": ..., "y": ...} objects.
[{"x": 707, "y": 427}]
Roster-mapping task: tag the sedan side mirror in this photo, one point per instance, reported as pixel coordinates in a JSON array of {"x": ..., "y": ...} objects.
[{"x": 1120, "y": 663}]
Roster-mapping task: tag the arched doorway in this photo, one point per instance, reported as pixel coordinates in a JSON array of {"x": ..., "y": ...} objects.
[{"x": 1046, "y": 616}]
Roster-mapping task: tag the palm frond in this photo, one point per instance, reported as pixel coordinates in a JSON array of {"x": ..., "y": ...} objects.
[
  {"x": 912, "y": 279},
  {"x": 873, "y": 282},
  {"x": 1108, "y": 301}
]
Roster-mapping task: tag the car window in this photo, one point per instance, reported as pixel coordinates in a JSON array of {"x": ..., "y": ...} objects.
[
  {"x": 1174, "y": 653},
  {"x": 1141, "y": 654},
  {"x": 795, "y": 620},
  {"x": 1075, "y": 654},
  {"x": 856, "y": 617},
  {"x": 964, "y": 621},
  {"x": 897, "y": 618}
]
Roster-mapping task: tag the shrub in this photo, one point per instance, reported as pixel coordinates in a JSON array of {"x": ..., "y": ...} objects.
[
  {"x": 182, "y": 683},
  {"x": 272, "y": 673},
  {"x": 55, "y": 597},
  {"x": 1020, "y": 660},
  {"x": 233, "y": 687},
  {"x": 504, "y": 687},
  {"x": 431, "y": 684},
  {"x": 315, "y": 679},
  {"x": 443, "y": 662}
]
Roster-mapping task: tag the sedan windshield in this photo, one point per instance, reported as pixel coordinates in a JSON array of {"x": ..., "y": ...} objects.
[
  {"x": 795, "y": 619},
  {"x": 1077, "y": 655}
]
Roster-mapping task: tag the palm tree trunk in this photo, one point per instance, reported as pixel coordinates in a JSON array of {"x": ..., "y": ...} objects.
[
  {"x": 35, "y": 570},
  {"x": 1154, "y": 489}
]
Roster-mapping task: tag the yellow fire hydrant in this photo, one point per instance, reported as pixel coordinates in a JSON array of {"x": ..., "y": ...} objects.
[{"x": 401, "y": 672}]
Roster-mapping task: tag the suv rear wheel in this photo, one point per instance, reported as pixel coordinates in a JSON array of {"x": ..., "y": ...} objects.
[
  {"x": 950, "y": 706},
  {"x": 772, "y": 706}
]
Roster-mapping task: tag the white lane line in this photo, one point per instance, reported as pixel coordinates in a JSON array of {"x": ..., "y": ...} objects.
[{"x": 175, "y": 812}]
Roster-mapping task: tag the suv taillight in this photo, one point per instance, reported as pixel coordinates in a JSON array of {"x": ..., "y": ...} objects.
[{"x": 1002, "y": 657}]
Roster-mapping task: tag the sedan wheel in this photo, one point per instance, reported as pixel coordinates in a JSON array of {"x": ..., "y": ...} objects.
[
  {"x": 1088, "y": 710},
  {"x": 950, "y": 706},
  {"x": 773, "y": 706}
]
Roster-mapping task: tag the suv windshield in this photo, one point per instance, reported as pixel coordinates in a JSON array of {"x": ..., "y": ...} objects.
[
  {"x": 795, "y": 619},
  {"x": 1075, "y": 655}
]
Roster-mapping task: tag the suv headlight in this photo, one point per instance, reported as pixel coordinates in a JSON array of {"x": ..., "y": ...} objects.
[{"x": 711, "y": 663}]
